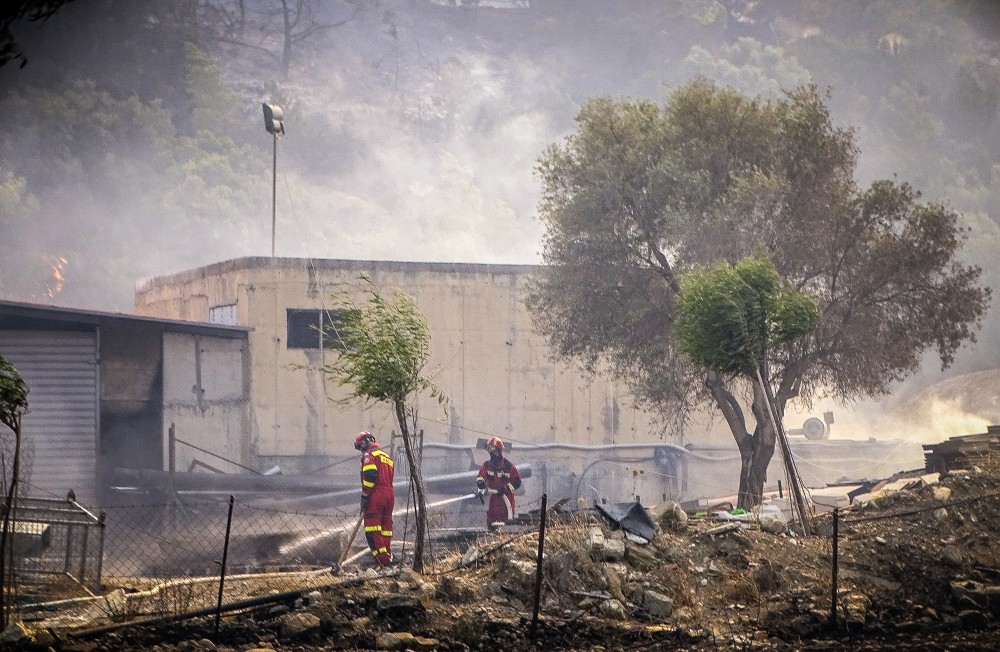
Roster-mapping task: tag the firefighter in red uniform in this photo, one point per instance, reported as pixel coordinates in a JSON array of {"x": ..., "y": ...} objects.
[
  {"x": 377, "y": 497},
  {"x": 499, "y": 478}
]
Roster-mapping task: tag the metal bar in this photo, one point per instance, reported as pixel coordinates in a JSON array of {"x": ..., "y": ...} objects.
[
  {"x": 100, "y": 552},
  {"x": 833, "y": 589},
  {"x": 83, "y": 555},
  {"x": 69, "y": 545},
  {"x": 91, "y": 515},
  {"x": 171, "y": 449},
  {"x": 53, "y": 521},
  {"x": 538, "y": 567},
  {"x": 207, "y": 452},
  {"x": 222, "y": 572}
]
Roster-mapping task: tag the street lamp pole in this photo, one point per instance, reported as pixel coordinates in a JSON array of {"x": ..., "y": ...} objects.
[
  {"x": 274, "y": 192},
  {"x": 274, "y": 124}
]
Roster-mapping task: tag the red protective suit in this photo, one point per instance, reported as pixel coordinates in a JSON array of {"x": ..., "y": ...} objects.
[
  {"x": 501, "y": 477},
  {"x": 376, "y": 489}
]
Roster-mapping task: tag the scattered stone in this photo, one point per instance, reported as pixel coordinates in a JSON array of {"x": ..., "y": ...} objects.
[
  {"x": 940, "y": 514},
  {"x": 657, "y": 604},
  {"x": 952, "y": 556},
  {"x": 642, "y": 558},
  {"x": 405, "y": 641},
  {"x": 298, "y": 624},
  {"x": 973, "y": 619},
  {"x": 773, "y": 526},
  {"x": 942, "y": 493},
  {"x": 613, "y": 609},
  {"x": 204, "y": 644}
]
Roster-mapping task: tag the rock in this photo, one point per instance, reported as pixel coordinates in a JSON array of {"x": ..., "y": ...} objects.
[
  {"x": 613, "y": 609},
  {"x": 314, "y": 596},
  {"x": 470, "y": 556},
  {"x": 856, "y": 608},
  {"x": 398, "y": 602},
  {"x": 760, "y": 635},
  {"x": 298, "y": 624},
  {"x": 614, "y": 550},
  {"x": 773, "y": 526},
  {"x": 204, "y": 644},
  {"x": 425, "y": 592},
  {"x": 940, "y": 514},
  {"x": 880, "y": 540},
  {"x": 766, "y": 577},
  {"x": 657, "y": 604},
  {"x": 405, "y": 641},
  {"x": 952, "y": 556},
  {"x": 641, "y": 558},
  {"x": 942, "y": 493},
  {"x": 973, "y": 619},
  {"x": 614, "y": 584},
  {"x": 15, "y": 633},
  {"x": 594, "y": 543},
  {"x": 520, "y": 573}
]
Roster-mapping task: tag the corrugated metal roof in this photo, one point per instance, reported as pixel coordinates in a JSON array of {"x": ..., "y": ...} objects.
[{"x": 18, "y": 315}]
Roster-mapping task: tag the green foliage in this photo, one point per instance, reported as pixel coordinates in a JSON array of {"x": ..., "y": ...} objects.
[
  {"x": 13, "y": 394},
  {"x": 729, "y": 316},
  {"x": 383, "y": 346},
  {"x": 641, "y": 193}
]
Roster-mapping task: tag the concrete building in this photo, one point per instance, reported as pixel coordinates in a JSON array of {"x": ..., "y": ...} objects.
[
  {"x": 487, "y": 358},
  {"x": 105, "y": 387}
]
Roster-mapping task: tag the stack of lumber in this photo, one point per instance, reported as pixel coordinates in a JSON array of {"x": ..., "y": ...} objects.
[{"x": 963, "y": 452}]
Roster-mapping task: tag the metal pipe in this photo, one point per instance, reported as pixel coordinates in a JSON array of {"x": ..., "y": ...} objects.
[
  {"x": 222, "y": 572},
  {"x": 833, "y": 590},
  {"x": 538, "y": 566},
  {"x": 595, "y": 447},
  {"x": 100, "y": 552},
  {"x": 83, "y": 556}
]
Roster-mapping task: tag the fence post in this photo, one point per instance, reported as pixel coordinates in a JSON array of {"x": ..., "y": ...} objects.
[
  {"x": 70, "y": 497},
  {"x": 833, "y": 589},
  {"x": 101, "y": 518},
  {"x": 222, "y": 574},
  {"x": 538, "y": 567},
  {"x": 82, "y": 578}
]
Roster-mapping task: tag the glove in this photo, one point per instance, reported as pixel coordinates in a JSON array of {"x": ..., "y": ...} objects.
[
  {"x": 480, "y": 491},
  {"x": 364, "y": 504}
]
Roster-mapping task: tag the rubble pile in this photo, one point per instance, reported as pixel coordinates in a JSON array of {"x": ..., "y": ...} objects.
[{"x": 917, "y": 565}]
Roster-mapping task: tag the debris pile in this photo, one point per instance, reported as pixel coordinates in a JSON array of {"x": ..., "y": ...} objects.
[{"x": 916, "y": 563}]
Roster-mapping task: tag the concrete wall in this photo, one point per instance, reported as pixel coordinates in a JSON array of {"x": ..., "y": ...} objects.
[
  {"x": 486, "y": 356},
  {"x": 205, "y": 397}
]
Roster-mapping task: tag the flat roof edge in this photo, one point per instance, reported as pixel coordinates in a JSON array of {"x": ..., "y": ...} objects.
[{"x": 265, "y": 262}]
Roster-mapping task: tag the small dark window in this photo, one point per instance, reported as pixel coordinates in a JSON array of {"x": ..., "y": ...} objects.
[{"x": 304, "y": 328}]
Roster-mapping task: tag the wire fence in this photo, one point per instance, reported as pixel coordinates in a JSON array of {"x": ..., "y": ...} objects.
[{"x": 166, "y": 559}]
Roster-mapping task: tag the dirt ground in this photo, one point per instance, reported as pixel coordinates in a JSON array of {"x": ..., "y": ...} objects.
[{"x": 917, "y": 570}]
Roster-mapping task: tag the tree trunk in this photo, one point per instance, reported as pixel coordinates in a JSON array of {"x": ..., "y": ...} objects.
[
  {"x": 756, "y": 451},
  {"x": 7, "y": 586},
  {"x": 417, "y": 482}
]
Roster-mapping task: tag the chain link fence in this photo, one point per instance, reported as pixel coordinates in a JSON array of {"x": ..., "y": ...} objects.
[{"x": 166, "y": 559}]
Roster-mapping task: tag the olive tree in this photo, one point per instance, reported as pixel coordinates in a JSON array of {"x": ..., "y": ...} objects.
[
  {"x": 642, "y": 192},
  {"x": 383, "y": 346},
  {"x": 13, "y": 404}
]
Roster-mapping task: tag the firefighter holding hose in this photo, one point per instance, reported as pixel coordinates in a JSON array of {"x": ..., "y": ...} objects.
[
  {"x": 377, "y": 497},
  {"x": 499, "y": 478}
]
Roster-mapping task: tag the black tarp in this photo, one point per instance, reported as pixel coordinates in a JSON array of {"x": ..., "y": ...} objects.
[{"x": 631, "y": 517}]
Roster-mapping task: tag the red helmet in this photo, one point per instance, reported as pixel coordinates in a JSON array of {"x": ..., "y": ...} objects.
[
  {"x": 363, "y": 440},
  {"x": 495, "y": 444}
]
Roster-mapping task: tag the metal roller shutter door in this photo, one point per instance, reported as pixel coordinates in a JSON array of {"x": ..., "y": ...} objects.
[{"x": 60, "y": 428}]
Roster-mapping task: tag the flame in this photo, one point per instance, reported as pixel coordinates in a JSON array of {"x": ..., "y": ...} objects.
[{"x": 58, "y": 264}]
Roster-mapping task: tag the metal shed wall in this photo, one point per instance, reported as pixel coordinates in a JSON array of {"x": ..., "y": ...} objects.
[{"x": 61, "y": 426}]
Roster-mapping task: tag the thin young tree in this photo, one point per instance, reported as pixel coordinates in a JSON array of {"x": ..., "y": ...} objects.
[
  {"x": 383, "y": 346},
  {"x": 13, "y": 404},
  {"x": 728, "y": 318}
]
